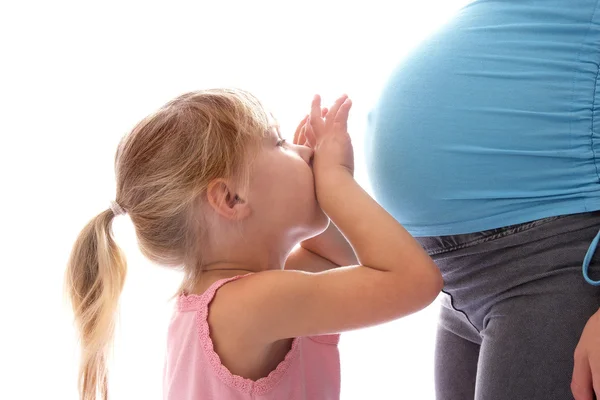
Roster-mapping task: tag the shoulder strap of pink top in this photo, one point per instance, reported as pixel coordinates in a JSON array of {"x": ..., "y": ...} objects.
[{"x": 195, "y": 302}]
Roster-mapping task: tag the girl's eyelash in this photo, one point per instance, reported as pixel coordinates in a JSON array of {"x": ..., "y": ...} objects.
[{"x": 280, "y": 142}]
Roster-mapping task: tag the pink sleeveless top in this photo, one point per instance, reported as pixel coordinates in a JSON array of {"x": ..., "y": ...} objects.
[{"x": 193, "y": 370}]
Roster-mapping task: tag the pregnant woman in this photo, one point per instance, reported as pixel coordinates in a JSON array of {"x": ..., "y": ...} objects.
[{"x": 485, "y": 145}]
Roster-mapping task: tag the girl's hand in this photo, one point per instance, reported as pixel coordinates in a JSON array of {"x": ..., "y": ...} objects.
[
  {"x": 300, "y": 134},
  {"x": 329, "y": 137}
]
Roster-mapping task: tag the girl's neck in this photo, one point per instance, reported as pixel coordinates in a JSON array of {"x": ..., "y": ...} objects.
[{"x": 215, "y": 272}]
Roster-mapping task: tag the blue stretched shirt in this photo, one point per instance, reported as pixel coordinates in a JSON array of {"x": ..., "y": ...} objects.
[{"x": 492, "y": 121}]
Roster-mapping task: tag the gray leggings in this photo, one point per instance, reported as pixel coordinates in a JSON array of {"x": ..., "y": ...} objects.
[{"x": 513, "y": 308}]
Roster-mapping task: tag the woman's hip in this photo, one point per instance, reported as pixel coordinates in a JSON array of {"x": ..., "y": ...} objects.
[{"x": 536, "y": 262}]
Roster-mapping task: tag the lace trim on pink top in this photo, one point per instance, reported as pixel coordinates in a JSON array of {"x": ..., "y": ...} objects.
[{"x": 200, "y": 303}]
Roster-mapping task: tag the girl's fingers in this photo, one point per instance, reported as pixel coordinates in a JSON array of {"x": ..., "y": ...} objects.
[
  {"x": 336, "y": 106},
  {"x": 341, "y": 117},
  {"x": 316, "y": 121},
  {"x": 299, "y": 128},
  {"x": 315, "y": 108},
  {"x": 324, "y": 112},
  {"x": 302, "y": 136},
  {"x": 311, "y": 140}
]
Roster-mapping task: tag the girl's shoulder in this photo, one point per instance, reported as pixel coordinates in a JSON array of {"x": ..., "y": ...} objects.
[{"x": 202, "y": 298}]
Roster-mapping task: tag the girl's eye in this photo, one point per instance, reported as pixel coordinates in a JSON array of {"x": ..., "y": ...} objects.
[{"x": 281, "y": 142}]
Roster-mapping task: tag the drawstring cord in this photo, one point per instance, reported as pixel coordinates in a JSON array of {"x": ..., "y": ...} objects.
[{"x": 588, "y": 259}]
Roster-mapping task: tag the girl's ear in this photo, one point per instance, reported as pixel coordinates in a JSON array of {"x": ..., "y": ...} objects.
[{"x": 225, "y": 201}]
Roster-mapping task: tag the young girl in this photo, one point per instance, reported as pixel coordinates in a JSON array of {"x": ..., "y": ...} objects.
[{"x": 211, "y": 186}]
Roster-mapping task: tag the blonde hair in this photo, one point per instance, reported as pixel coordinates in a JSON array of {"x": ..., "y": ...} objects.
[{"x": 162, "y": 170}]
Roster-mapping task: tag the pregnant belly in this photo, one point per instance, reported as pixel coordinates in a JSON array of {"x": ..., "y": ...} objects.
[{"x": 490, "y": 118}]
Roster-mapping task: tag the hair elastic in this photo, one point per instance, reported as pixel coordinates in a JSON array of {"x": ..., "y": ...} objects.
[{"x": 116, "y": 208}]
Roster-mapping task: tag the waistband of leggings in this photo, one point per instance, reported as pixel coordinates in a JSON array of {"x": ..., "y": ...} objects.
[{"x": 441, "y": 244}]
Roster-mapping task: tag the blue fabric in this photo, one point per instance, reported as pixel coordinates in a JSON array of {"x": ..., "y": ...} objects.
[
  {"x": 492, "y": 121},
  {"x": 588, "y": 259}
]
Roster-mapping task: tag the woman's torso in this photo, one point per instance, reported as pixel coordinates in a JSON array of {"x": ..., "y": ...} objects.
[{"x": 493, "y": 120}]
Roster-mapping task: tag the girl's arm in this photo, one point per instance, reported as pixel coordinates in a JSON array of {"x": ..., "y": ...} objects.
[
  {"x": 395, "y": 277},
  {"x": 328, "y": 250}
]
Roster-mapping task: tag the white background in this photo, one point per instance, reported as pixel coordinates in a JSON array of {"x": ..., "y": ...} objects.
[{"x": 75, "y": 76}]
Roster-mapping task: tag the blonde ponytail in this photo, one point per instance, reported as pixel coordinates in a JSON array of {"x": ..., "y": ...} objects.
[{"x": 94, "y": 281}]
